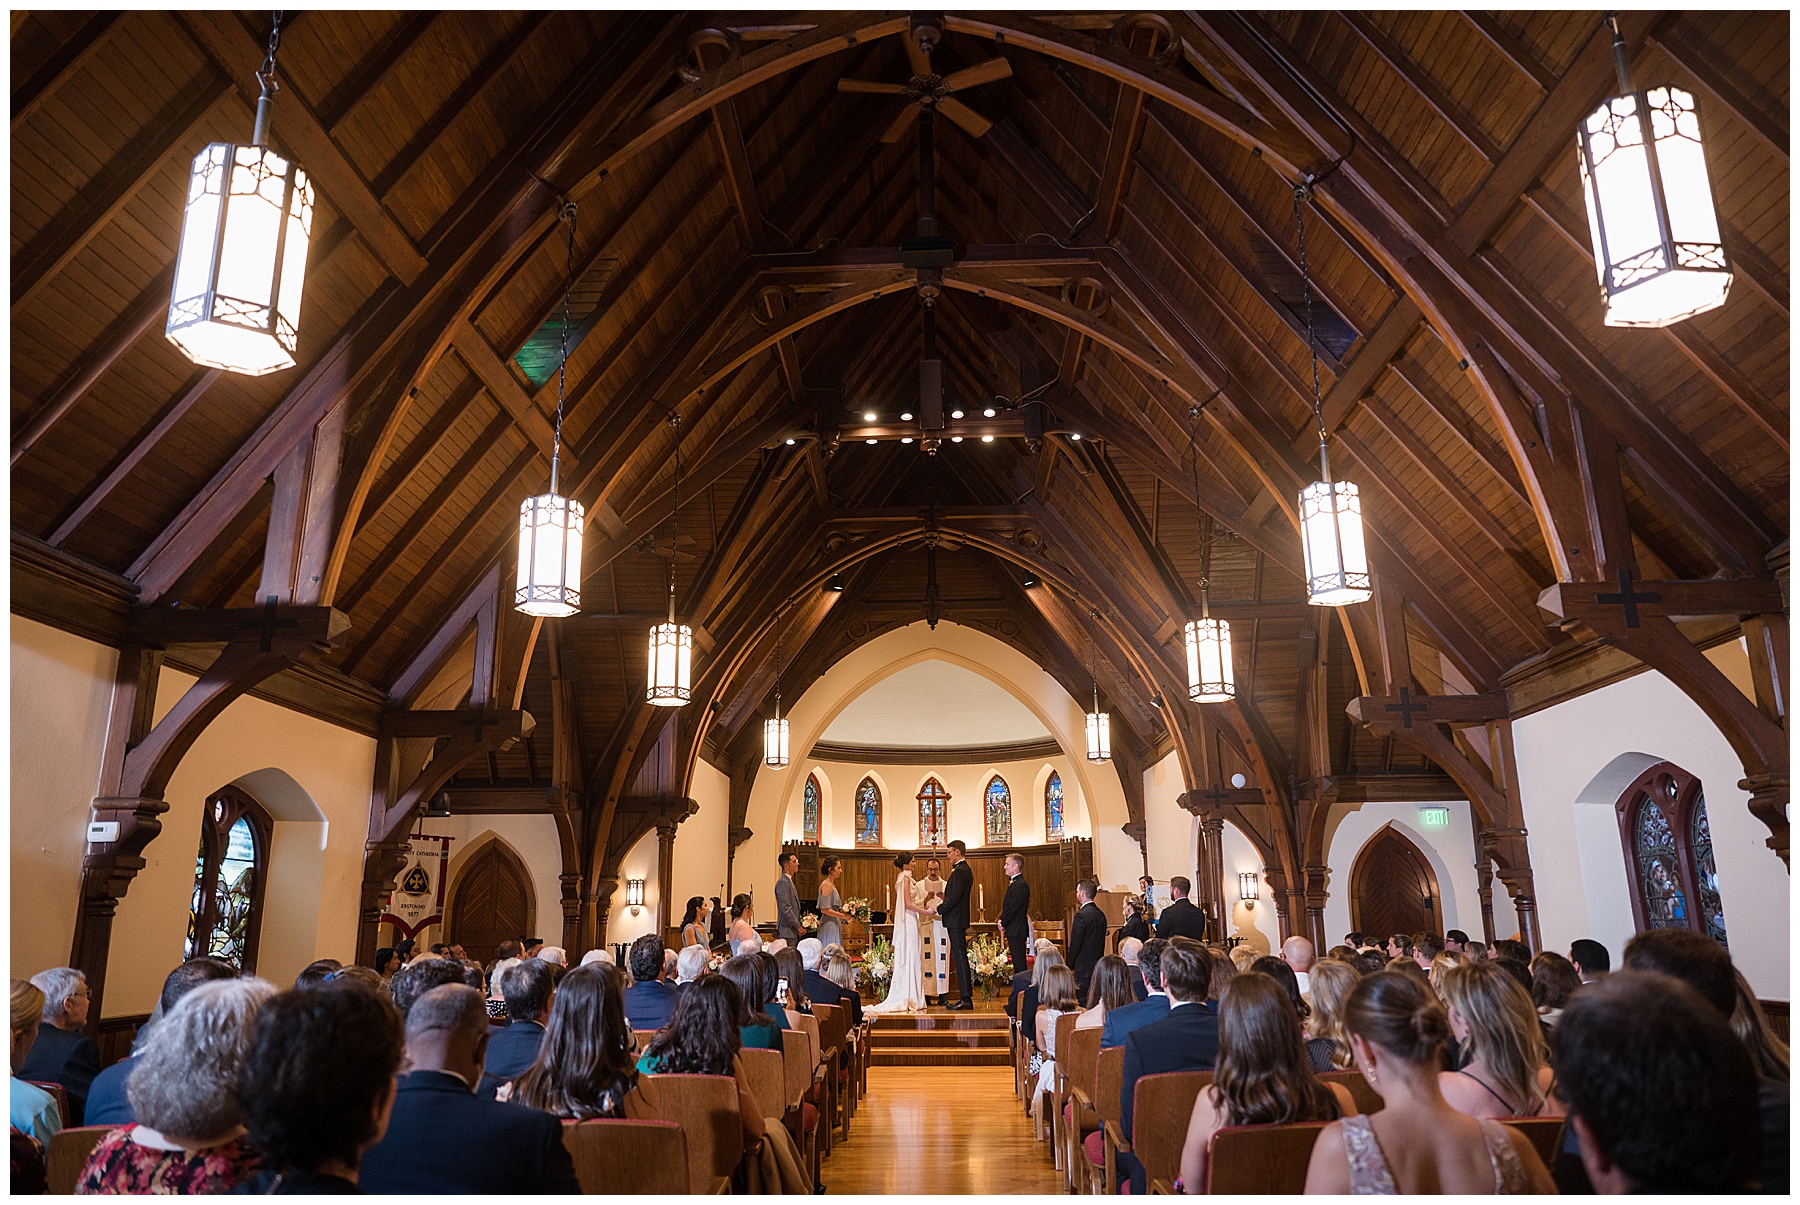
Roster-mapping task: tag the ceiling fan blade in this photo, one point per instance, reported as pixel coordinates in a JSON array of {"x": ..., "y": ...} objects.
[
  {"x": 899, "y": 124},
  {"x": 962, "y": 115},
  {"x": 921, "y": 62},
  {"x": 980, "y": 73},
  {"x": 871, "y": 85}
]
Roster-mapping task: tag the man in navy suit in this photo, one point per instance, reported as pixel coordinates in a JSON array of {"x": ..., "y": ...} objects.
[
  {"x": 649, "y": 1003},
  {"x": 821, "y": 990},
  {"x": 1153, "y": 1007},
  {"x": 528, "y": 989},
  {"x": 1087, "y": 935},
  {"x": 443, "y": 1138},
  {"x": 1185, "y": 1040},
  {"x": 62, "y": 1053},
  {"x": 106, "y": 1103},
  {"x": 1181, "y": 918}
]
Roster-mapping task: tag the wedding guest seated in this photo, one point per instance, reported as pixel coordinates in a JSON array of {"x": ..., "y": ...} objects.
[
  {"x": 1507, "y": 1073},
  {"x": 1554, "y": 982},
  {"x": 1056, "y": 996},
  {"x": 63, "y": 1053},
  {"x": 364, "y": 978},
  {"x": 758, "y": 1027},
  {"x": 1042, "y": 960},
  {"x": 1223, "y": 972},
  {"x": 1660, "y": 1095},
  {"x": 790, "y": 966},
  {"x": 1327, "y": 1041},
  {"x": 671, "y": 963},
  {"x": 584, "y": 1066},
  {"x": 771, "y": 985},
  {"x": 514, "y": 1046},
  {"x": 1153, "y": 1007},
  {"x": 1298, "y": 953},
  {"x": 597, "y": 955},
  {"x": 315, "y": 973},
  {"x": 1426, "y": 948},
  {"x": 317, "y": 1085},
  {"x": 1768, "y": 1051},
  {"x": 1590, "y": 959},
  {"x": 1417, "y": 1143},
  {"x": 1345, "y": 954},
  {"x": 703, "y": 1038},
  {"x": 690, "y": 964},
  {"x": 1110, "y": 989},
  {"x": 1024, "y": 979},
  {"x": 189, "y": 1136},
  {"x": 1454, "y": 941},
  {"x": 1129, "y": 949},
  {"x": 1243, "y": 955},
  {"x": 841, "y": 971},
  {"x": 34, "y": 1110},
  {"x": 649, "y": 1002},
  {"x": 821, "y": 988},
  {"x": 1282, "y": 972},
  {"x": 1261, "y": 1077},
  {"x": 442, "y": 1137},
  {"x": 1185, "y": 1040},
  {"x": 420, "y": 976},
  {"x": 554, "y": 955},
  {"x": 1440, "y": 966},
  {"x": 107, "y": 1103}
]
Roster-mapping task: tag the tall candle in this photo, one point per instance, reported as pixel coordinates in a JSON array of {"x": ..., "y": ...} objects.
[
  {"x": 981, "y": 898},
  {"x": 888, "y": 893}
]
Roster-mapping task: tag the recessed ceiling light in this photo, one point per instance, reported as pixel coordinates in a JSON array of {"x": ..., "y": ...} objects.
[
  {"x": 1075, "y": 435},
  {"x": 868, "y": 416},
  {"x": 906, "y": 439},
  {"x": 987, "y": 439},
  {"x": 869, "y": 441},
  {"x": 956, "y": 414},
  {"x": 790, "y": 443},
  {"x": 956, "y": 439},
  {"x": 989, "y": 412},
  {"x": 905, "y": 417}
]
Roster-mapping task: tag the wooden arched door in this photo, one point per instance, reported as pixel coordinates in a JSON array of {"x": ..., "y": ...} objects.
[
  {"x": 1393, "y": 888},
  {"x": 490, "y": 902}
]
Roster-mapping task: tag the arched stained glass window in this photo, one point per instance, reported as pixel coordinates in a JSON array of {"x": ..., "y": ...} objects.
[
  {"x": 1669, "y": 851},
  {"x": 1053, "y": 808},
  {"x": 225, "y": 913},
  {"x": 809, "y": 810},
  {"x": 934, "y": 814},
  {"x": 868, "y": 813},
  {"x": 997, "y": 811}
]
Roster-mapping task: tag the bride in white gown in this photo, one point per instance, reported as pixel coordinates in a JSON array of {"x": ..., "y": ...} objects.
[{"x": 906, "y": 990}]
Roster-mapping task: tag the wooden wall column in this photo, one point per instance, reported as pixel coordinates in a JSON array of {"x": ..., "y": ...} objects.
[
  {"x": 1484, "y": 887},
  {"x": 1209, "y": 873},
  {"x": 665, "y": 872}
]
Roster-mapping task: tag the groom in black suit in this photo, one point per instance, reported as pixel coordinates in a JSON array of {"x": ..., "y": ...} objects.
[
  {"x": 955, "y": 911},
  {"x": 1015, "y": 911}
]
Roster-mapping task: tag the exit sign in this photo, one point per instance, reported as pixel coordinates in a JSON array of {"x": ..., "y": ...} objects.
[{"x": 1434, "y": 817}]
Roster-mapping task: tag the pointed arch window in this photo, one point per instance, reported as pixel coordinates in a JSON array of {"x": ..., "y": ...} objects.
[
  {"x": 868, "y": 813},
  {"x": 934, "y": 814},
  {"x": 230, "y": 871},
  {"x": 997, "y": 811},
  {"x": 1669, "y": 853},
  {"x": 809, "y": 810},
  {"x": 1053, "y": 808}
]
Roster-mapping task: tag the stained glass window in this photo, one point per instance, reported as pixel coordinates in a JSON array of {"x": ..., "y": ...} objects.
[
  {"x": 1053, "y": 805},
  {"x": 224, "y": 914},
  {"x": 868, "y": 813},
  {"x": 934, "y": 804},
  {"x": 809, "y": 810},
  {"x": 1659, "y": 871},
  {"x": 997, "y": 807},
  {"x": 1706, "y": 874}
]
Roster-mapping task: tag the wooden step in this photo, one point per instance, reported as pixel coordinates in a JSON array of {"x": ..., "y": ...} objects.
[
  {"x": 925, "y": 1040},
  {"x": 998, "y": 1022},
  {"x": 941, "y": 1057}
]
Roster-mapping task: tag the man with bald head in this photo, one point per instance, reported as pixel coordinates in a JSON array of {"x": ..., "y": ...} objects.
[
  {"x": 1298, "y": 953},
  {"x": 445, "y": 1139}
]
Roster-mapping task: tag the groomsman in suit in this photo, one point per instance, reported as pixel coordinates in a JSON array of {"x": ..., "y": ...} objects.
[
  {"x": 787, "y": 901},
  {"x": 955, "y": 911},
  {"x": 1087, "y": 935},
  {"x": 1185, "y": 1040},
  {"x": 1181, "y": 918},
  {"x": 1015, "y": 911}
]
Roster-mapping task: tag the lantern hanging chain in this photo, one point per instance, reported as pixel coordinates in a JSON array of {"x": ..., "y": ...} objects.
[
  {"x": 1201, "y": 519},
  {"x": 1302, "y": 195},
  {"x": 1094, "y": 655},
  {"x": 566, "y": 213},
  {"x": 675, "y": 513},
  {"x": 265, "y": 77},
  {"x": 1621, "y": 60}
]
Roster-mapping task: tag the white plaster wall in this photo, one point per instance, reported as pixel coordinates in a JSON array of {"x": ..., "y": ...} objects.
[
  {"x": 1259, "y": 926},
  {"x": 639, "y": 863},
  {"x": 1576, "y": 857},
  {"x": 61, "y": 693},
  {"x": 1450, "y": 850},
  {"x": 532, "y": 838},
  {"x": 776, "y": 793},
  {"x": 967, "y": 785},
  {"x": 702, "y": 843},
  {"x": 1171, "y": 834}
]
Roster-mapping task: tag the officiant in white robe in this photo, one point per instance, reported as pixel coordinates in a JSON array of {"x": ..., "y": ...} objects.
[{"x": 935, "y": 939}]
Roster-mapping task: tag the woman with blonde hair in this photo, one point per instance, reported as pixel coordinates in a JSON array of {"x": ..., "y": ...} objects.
[
  {"x": 1507, "y": 1074},
  {"x": 1441, "y": 966},
  {"x": 34, "y": 1110},
  {"x": 1327, "y": 1041},
  {"x": 1243, "y": 955},
  {"x": 1056, "y": 996}
]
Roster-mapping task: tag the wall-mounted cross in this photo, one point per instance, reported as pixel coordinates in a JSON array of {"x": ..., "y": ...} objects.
[
  {"x": 268, "y": 623},
  {"x": 1216, "y": 797},
  {"x": 1628, "y": 599},
  {"x": 1406, "y": 707}
]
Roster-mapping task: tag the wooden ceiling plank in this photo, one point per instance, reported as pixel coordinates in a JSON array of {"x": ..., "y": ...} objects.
[
  {"x": 1714, "y": 80},
  {"x": 239, "y": 54},
  {"x": 102, "y": 199},
  {"x": 467, "y": 93},
  {"x": 369, "y": 74},
  {"x": 1370, "y": 361},
  {"x": 420, "y": 668},
  {"x": 1511, "y": 49},
  {"x": 56, "y": 71},
  {"x": 417, "y": 450},
  {"x": 1420, "y": 81},
  {"x": 1425, "y": 387}
]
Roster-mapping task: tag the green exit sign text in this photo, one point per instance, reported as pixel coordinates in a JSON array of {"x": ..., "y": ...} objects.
[{"x": 1434, "y": 817}]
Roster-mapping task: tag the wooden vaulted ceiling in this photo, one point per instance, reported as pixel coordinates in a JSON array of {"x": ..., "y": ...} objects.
[{"x": 717, "y": 194}]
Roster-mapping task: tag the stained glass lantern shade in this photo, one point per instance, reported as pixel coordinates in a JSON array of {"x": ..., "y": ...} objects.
[
  {"x": 1650, "y": 209},
  {"x": 1209, "y": 661},
  {"x": 241, "y": 267},
  {"x": 549, "y": 581},
  {"x": 671, "y": 660},
  {"x": 1331, "y": 533}
]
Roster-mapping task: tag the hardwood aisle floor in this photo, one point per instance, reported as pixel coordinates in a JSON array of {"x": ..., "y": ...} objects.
[{"x": 941, "y": 1130}]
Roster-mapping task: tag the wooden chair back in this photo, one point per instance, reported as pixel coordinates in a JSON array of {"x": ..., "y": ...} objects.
[
  {"x": 1261, "y": 1160},
  {"x": 1059, "y": 1038},
  {"x": 1367, "y": 1099},
  {"x": 810, "y": 1027},
  {"x": 1159, "y": 1119},
  {"x": 59, "y": 1094},
  {"x": 1109, "y": 1084},
  {"x": 1080, "y": 1060},
  {"x": 766, "y": 1073},
  {"x": 644, "y": 1037},
  {"x": 834, "y": 1025},
  {"x": 1545, "y": 1134},
  {"x": 797, "y": 1062},
  {"x": 706, "y": 1108},
  {"x": 68, "y": 1154},
  {"x": 628, "y": 1156}
]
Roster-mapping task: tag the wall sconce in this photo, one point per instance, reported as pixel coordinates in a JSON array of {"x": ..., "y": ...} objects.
[
  {"x": 634, "y": 894},
  {"x": 1247, "y": 889}
]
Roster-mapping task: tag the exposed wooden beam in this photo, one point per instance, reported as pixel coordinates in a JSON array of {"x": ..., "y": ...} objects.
[
  {"x": 69, "y": 58},
  {"x": 1512, "y": 49},
  {"x": 1715, "y": 82},
  {"x": 1404, "y": 710},
  {"x": 475, "y": 351},
  {"x": 1426, "y": 388},
  {"x": 1459, "y": 119},
  {"x": 1372, "y": 356},
  {"x": 1629, "y": 598},
  {"x": 1121, "y": 147},
  {"x": 739, "y": 179}
]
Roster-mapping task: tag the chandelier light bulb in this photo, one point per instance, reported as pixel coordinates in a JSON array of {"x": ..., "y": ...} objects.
[
  {"x": 956, "y": 439},
  {"x": 987, "y": 439},
  {"x": 988, "y": 413}
]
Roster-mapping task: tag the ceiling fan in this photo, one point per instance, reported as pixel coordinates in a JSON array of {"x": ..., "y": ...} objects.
[{"x": 927, "y": 90}]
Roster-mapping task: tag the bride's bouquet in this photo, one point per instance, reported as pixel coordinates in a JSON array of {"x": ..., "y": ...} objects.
[
  {"x": 878, "y": 964},
  {"x": 859, "y": 908}
]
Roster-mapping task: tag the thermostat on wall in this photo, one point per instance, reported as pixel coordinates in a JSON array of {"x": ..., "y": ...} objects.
[
  {"x": 102, "y": 831},
  {"x": 1434, "y": 817}
]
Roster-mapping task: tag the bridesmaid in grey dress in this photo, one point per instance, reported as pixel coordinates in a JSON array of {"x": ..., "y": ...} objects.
[{"x": 831, "y": 905}]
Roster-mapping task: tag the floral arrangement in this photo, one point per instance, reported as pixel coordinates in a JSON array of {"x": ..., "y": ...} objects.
[
  {"x": 878, "y": 963},
  {"x": 809, "y": 923},
  {"x": 859, "y": 908},
  {"x": 989, "y": 959},
  {"x": 714, "y": 962}
]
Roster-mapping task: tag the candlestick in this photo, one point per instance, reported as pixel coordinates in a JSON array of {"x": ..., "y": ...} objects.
[{"x": 981, "y": 898}]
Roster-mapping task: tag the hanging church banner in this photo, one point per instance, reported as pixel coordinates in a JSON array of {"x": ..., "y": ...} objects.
[{"x": 418, "y": 900}]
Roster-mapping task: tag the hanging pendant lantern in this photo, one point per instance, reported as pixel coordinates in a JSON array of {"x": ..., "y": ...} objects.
[
  {"x": 1099, "y": 723},
  {"x": 671, "y": 643},
  {"x": 1209, "y": 661},
  {"x": 1650, "y": 204},
  {"x": 775, "y": 742},
  {"x": 550, "y": 525},
  {"x": 241, "y": 266}
]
